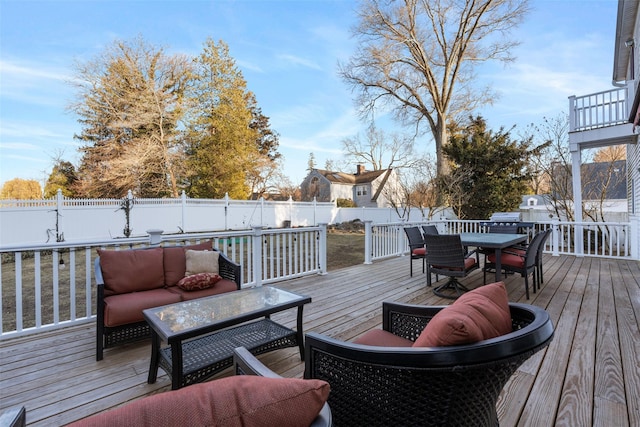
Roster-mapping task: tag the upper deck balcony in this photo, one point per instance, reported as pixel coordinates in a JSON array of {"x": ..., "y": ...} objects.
[{"x": 600, "y": 119}]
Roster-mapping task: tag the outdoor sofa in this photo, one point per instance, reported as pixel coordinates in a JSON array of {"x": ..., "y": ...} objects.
[{"x": 129, "y": 281}]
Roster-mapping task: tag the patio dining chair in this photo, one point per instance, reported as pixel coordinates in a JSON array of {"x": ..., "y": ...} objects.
[
  {"x": 446, "y": 256},
  {"x": 429, "y": 229},
  {"x": 525, "y": 264},
  {"x": 416, "y": 247}
]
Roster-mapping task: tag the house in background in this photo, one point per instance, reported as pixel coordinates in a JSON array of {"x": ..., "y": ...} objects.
[
  {"x": 376, "y": 189},
  {"x": 611, "y": 117}
]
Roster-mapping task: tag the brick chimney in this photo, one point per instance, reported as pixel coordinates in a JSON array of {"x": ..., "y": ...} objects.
[{"x": 359, "y": 169}]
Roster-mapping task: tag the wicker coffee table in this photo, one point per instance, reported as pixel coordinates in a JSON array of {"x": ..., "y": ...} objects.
[{"x": 201, "y": 334}]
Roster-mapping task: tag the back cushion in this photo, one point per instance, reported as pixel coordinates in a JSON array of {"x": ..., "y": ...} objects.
[
  {"x": 248, "y": 401},
  {"x": 175, "y": 261},
  {"x": 480, "y": 314},
  {"x": 131, "y": 270}
]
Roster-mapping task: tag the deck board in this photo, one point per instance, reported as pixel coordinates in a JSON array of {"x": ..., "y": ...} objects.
[{"x": 588, "y": 375}]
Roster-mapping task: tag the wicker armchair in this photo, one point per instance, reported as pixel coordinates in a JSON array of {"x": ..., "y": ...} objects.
[{"x": 434, "y": 386}]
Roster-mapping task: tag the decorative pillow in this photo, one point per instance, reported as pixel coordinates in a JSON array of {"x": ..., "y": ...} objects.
[
  {"x": 175, "y": 261},
  {"x": 199, "y": 281},
  {"x": 477, "y": 315},
  {"x": 131, "y": 270},
  {"x": 249, "y": 401},
  {"x": 201, "y": 262}
]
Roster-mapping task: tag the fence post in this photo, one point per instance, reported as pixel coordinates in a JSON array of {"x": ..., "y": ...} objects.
[
  {"x": 183, "y": 199},
  {"x": 368, "y": 239},
  {"x": 257, "y": 255},
  {"x": 322, "y": 248},
  {"x": 59, "y": 216}
]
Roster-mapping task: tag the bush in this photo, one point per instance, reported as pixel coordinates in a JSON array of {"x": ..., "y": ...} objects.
[{"x": 346, "y": 203}]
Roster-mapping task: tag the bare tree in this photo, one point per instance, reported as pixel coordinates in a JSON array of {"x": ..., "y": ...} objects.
[
  {"x": 417, "y": 58},
  {"x": 381, "y": 150}
]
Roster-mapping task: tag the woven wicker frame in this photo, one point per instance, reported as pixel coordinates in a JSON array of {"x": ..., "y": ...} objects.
[{"x": 445, "y": 386}]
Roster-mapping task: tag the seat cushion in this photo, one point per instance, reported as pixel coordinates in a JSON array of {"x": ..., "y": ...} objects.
[
  {"x": 512, "y": 260},
  {"x": 381, "y": 338},
  {"x": 419, "y": 252},
  {"x": 222, "y": 286},
  {"x": 236, "y": 401},
  {"x": 477, "y": 315},
  {"x": 131, "y": 270},
  {"x": 175, "y": 261},
  {"x": 468, "y": 263},
  {"x": 127, "y": 308}
]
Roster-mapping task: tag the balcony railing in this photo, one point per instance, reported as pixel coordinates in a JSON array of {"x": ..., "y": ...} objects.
[
  {"x": 51, "y": 286},
  {"x": 598, "y": 110},
  {"x": 604, "y": 239}
]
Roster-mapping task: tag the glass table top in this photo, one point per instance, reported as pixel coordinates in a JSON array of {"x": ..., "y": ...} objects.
[{"x": 204, "y": 312}]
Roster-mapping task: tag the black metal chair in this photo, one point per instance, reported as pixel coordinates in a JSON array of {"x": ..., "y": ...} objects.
[
  {"x": 524, "y": 264},
  {"x": 416, "y": 247},
  {"x": 446, "y": 256},
  {"x": 435, "y": 386},
  {"x": 429, "y": 229}
]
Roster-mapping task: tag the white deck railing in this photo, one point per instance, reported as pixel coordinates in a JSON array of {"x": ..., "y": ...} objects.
[
  {"x": 598, "y": 110},
  {"x": 51, "y": 286},
  {"x": 605, "y": 239}
]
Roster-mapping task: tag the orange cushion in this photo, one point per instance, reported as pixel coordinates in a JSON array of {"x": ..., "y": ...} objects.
[
  {"x": 477, "y": 315},
  {"x": 249, "y": 401},
  {"x": 127, "y": 308},
  {"x": 198, "y": 281},
  {"x": 419, "y": 251},
  {"x": 508, "y": 259},
  {"x": 468, "y": 263},
  {"x": 175, "y": 261},
  {"x": 131, "y": 270},
  {"x": 379, "y": 337}
]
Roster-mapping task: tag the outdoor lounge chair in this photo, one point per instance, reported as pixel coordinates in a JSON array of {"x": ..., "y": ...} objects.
[{"x": 432, "y": 386}]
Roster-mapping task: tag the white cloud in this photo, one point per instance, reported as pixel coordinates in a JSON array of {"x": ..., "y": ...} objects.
[{"x": 296, "y": 60}]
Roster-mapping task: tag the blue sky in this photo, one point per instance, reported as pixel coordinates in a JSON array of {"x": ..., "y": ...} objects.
[{"x": 288, "y": 52}]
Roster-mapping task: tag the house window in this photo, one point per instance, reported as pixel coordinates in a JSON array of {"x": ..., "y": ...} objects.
[
  {"x": 361, "y": 190},
  {"x": 532, "y": 202}
]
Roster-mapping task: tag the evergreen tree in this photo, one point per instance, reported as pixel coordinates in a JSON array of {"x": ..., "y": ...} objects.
[
  {"x": 491, "y": 167},
  {"x": 63, "y": 176},
  {"x": 222, "y": 145}
]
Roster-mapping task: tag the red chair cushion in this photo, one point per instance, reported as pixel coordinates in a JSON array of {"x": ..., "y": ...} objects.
[
  {"x": 419, "y": 251},
  {"x": 131, "y": 270},
  {"x": 477, "y": 315},
  {"x": 468, "y": 263},
  {"x": 381, "y": 338},
  {"x": 249, "y": 401},
  {"x": 512, "y": 260}
]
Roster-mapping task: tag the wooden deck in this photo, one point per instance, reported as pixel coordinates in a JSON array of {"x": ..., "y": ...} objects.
[{"x": 589, "y": 375}]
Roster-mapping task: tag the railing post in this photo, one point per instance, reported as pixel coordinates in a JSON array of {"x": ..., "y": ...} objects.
[
  {"x": 322, "y": 248},
  {"x": 634, "y": 238},
  {"x": 555, "y": 237},
  {"x": 368, "y": 241},
  {"x": 155, "y": 236},
  {"x": 257, "y": 255}
]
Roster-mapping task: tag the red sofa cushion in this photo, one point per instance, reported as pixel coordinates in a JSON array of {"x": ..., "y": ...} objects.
[
  {"x": 248, "y": 401},
  {"x": 131, "y": 270},
  {"x": 127, "y": 308},
  {"x": 222, "y": 286},
  {"x": 175, "y": 261},
  {"x": 477, "y": 315}
]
